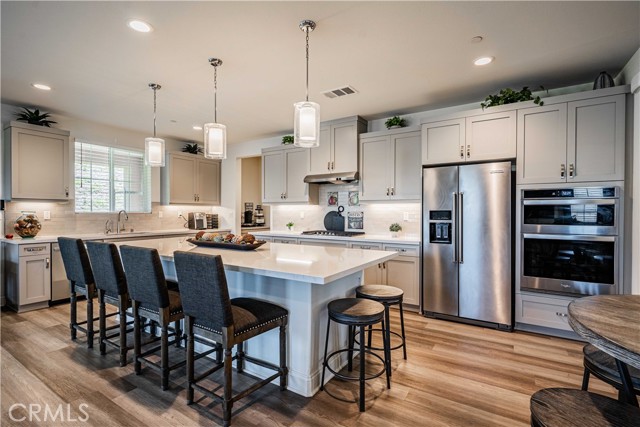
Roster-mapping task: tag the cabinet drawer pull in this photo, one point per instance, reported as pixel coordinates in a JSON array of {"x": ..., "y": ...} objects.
[
  {"x": 328, "y": 166},
  {"x": 559, "y": 314},
  {"x": 36, "y": 249},
  {"x": 571, "y": 170},
  {"x": 365, "y": 247},
  {"x": 468, "y": 151},
  {"x": 387, "y": 191},
  {"x": 332, "y": 166},
  {"x": 462, "y": 151},
  {"x": 393, "y": 191},
  {"x": 47, "y": 263},
  {"x": 66, "y": 191},
  {"x": 562, "y": 170}
]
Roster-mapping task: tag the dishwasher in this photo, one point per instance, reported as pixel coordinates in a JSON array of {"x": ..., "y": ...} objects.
[{"x": 59, "y": 283}]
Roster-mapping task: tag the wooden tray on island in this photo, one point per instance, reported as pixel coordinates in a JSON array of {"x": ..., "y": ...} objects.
[{"x": 228, "y": 245}]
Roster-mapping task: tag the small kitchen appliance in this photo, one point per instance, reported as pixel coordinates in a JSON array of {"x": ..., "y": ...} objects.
[
  {"x": 259, "y": 216},
  {"x": 197, "y": 221},
  {"x": 212, "y": 221}
]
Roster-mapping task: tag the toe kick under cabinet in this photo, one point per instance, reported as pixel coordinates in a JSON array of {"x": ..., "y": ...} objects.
[{"x": 28, "y": 276}]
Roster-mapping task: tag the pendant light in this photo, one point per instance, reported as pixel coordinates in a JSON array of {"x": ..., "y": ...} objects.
[
  {"x": 154, "y": 147},
  {"x": 215, "y": 134},
  {"x": 306, "y": 118}
]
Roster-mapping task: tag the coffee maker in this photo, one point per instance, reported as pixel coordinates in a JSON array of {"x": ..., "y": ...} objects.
[{"x": 247, "y": 216}]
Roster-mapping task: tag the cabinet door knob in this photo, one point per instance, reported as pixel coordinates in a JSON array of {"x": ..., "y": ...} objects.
[
  {"x": 571, "y": 170},
  {"x": 562, "y": 170}
]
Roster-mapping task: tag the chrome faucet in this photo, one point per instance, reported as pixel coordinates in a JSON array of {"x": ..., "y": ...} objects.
[{"x": 120, "y": 225}]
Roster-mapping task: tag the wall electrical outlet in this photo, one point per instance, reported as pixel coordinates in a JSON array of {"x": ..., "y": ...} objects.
[
  {"x": 47, "y": 215},
  {"x": 160, "y": 214},
  {"x": 179, "y": 214}
]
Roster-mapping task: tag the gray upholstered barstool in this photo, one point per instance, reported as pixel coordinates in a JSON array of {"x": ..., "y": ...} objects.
[
  {"x": 152, "y": 299},
  {"x": 80, "y": 275},
  {"x": 563, "y": 407},
  {"x": 604, "y": 367},
  {"x": 355, "y": 313},
  {"x": 112, "y": 289},
  {"x": 387, "y": 296},
  {"x": 228, "y": 322}
]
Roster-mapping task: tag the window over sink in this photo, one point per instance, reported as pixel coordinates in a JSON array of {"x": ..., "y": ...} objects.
[{"x": 108, "y": 179}]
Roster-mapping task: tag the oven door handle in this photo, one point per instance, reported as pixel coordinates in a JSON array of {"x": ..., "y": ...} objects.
[
  {"x": 570, "y": 237},
  {"x": 538, "y": 202}
]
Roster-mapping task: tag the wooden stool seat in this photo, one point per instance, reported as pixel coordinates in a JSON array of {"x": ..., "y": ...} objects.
[
  {"x": 379, "y": 292},
  {"x": 603, "y": 366},
  {"x": 564, "y": 407},
  {"x": 355, "y": 311}
]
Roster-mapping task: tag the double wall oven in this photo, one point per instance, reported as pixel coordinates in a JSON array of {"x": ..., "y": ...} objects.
[{"x": 571, "y": 240}]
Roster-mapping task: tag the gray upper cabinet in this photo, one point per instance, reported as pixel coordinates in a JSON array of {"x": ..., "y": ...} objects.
[
  {"x": 443, "y": 142},
  {"x": 390, "y": 166},
  {"x": 36, "y": 162},
  {"x": 470, "y": 139},
  {"x": 578, "y": 141},
  {"x": 338, "y": 150},
  {"x": 190, "y": 179},
  {"x": 283, "y": 172}
]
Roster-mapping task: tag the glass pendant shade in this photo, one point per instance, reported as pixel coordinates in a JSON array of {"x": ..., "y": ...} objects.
[
  {"x": 306, "y": 124},
  {"x": 154, "y": 152},
  {"x": 215, "y": 141}
]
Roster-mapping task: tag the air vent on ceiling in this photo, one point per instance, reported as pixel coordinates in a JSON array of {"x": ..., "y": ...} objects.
[{"x": 342, "y": 91}]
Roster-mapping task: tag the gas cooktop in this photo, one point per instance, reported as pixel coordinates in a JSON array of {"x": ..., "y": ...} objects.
[{"x": 332, "y": 233}]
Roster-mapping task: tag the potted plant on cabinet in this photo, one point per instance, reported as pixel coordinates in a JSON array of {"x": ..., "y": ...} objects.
[
  {"x": 34, "y": 117},
  {"x": 290, "y": 225},
  {"x": 192, "y": 148},
  {"x": 395, "y": 122},
  {"x": 509, "y": 96},
  {"x": 395, "y": 228}
]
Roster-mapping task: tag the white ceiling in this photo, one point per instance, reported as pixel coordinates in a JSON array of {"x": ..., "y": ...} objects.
[{"x": 401, "y": 57}]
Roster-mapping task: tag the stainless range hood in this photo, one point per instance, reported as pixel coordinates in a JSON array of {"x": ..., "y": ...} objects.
[{"x": 332, "y": 178}]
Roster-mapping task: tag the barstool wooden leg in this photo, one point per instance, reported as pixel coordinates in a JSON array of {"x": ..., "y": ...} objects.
[
  {"x": 137, "y": 345},
  {"x": 227, "y": 404},
  {"x": 240, "y": 357},
  {"x": 178, "y": 331},
  {"x": 89, "y": 317},
  {"x": 73, "y": 312},
  {"x": 164, "y": 355},
  {"x": 190, "y": 358},
  {"x": 122, "y": 307},
  {"x": 404, "y": 338},
  {"x": 324, "y": 359},
  {"x": 362, "y": 366},
  {"x": 283, "y": 357},
  {"x": 102, "y": 315}
]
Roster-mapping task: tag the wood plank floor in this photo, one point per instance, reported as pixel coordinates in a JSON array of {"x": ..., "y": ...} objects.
[{"x": 455, "y": 375}]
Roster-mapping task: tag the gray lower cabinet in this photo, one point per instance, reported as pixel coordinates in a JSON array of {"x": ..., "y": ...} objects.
[
  {"x": 535, "y": 310},
  {"x": 28, "y": 276}
]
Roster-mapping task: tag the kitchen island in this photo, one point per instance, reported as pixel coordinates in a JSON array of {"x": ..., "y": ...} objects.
[{"x": 303, "y": 279}]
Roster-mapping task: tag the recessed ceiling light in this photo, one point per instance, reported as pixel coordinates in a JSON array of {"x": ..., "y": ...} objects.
[
  {"x": 140, "y": 26},
  {"x": 484, "y": 60},
  {"x": 41, "y": 86},
  {"x": 477, "y": 39},
  {"x": 196, "y": 127}
]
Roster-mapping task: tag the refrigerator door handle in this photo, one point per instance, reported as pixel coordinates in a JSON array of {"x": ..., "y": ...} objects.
[
  {"x": 460, "y": 229},
  {"x": 455, "y": 227}
]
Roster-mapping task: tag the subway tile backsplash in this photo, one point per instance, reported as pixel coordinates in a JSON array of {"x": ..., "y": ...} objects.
[
  {"x": 65, "y": 220},
  {"x": 377, "y": 216}
]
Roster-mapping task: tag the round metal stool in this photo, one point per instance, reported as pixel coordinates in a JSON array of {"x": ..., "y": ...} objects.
[
  {"x": 387, "y": 296},
  {"x": 355, "y": 312}
]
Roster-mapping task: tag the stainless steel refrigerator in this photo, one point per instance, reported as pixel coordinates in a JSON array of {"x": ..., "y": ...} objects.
[{"x": 467, "y": 246}]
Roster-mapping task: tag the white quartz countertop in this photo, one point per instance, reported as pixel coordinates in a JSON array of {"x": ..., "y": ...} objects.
[
  {"x": 382, "y": 238},
  {"x": 99, "y": 236},
  {"x": 311, "y": 264}
]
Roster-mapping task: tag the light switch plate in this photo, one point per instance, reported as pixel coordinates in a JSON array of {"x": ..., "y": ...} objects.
[{"x": 47, "y": 215}]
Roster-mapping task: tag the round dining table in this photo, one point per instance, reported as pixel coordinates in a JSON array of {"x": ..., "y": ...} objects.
[{"x": 612, "y": 324}]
